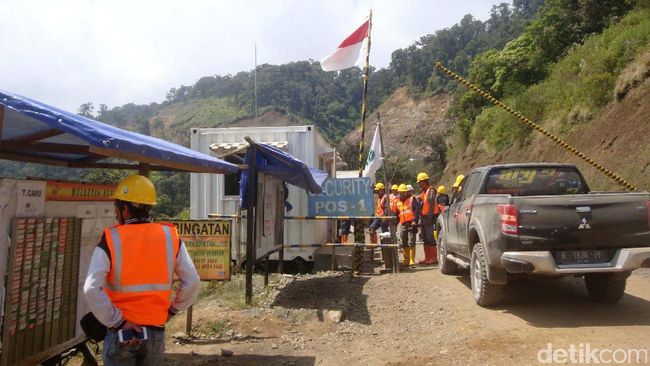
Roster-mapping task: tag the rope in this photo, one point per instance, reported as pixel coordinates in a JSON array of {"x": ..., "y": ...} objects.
[{"x": 537, "y": 127}]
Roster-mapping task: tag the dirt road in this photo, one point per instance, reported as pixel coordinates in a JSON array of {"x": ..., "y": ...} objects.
[{"x": 415, "y": 318}]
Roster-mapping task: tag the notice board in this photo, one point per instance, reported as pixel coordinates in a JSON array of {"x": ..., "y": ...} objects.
[
  {"x": 41, "y": 292},
  {"x": 208, "y": 243}
]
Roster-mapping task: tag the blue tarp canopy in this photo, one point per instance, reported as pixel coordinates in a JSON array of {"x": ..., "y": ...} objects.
[
  {"x": 31, "y": 131},
  {"x": 279, "y": 164}
]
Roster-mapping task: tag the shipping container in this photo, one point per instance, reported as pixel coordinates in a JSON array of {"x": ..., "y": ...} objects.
[{"x": 219, "y": 194}]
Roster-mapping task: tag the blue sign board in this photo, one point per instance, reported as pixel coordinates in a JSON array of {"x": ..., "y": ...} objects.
[{"x": 343, "y": 197}]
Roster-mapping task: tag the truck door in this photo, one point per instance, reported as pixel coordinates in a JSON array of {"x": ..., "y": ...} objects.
[{"x": 463, "y": 212}]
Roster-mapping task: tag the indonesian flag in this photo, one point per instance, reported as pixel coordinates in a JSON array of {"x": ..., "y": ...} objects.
[{"x": 347, "y": 54}]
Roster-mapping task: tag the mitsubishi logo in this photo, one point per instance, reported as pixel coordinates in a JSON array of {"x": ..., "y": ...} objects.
[{"x": 584, "y": 225}]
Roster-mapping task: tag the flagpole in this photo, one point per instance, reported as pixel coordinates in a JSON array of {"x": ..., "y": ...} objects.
[
  {"x": 363, "y": 99},
  {"x": 358, "y": 225},
  {"x": 255, "y": 76},
  {"x": 383, "y": 157}
]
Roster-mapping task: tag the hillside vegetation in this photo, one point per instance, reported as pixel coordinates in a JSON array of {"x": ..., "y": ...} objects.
[{"x": 603, "y": 77}]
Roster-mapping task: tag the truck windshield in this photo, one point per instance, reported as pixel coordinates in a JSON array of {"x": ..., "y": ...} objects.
[{"x": 534, "y": 181}]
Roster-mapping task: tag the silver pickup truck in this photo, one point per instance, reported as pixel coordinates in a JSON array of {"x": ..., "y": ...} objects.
[{"x": 542, "y": 219}]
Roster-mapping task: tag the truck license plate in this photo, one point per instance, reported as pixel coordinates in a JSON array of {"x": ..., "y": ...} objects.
[{"x": 582, "y": 256}]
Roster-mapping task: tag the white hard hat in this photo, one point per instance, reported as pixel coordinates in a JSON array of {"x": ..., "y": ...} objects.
[{"x": 409, "y": 187}]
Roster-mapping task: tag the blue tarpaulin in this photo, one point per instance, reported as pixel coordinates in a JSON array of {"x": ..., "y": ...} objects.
[
  {"x": 279, "y": 164},
  {"x": 36, "y": 132}
]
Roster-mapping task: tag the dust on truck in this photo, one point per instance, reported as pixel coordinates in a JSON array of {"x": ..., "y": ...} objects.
[
  {"x": 219, "y": 194},
  {"x": 543, "y": 220}
]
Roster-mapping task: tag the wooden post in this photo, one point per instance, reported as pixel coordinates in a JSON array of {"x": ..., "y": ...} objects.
[
  {"x": 334, "y": 240},
  {"x": 266, "y": 271},
  {"x": 144, "y": 169},
  {"x": 250, "y": 220},
  {"x": 237, "y": 231},
  {"x": 188, "y": 324},
  {"x": 394, "y": 252},
  {"x": 281, "y": 259}
]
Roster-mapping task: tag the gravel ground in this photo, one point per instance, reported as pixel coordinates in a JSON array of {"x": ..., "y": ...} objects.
[{"x": 419, "y": 317}]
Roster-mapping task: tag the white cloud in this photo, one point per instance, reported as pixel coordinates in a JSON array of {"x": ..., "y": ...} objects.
[{"x": 68, "y": 52}]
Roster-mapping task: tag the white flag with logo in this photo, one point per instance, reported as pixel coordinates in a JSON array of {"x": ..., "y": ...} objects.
[{"x": 375, "y": 156}]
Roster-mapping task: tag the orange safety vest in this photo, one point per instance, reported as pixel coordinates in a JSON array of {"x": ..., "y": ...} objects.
[
  {"x": 426, "y": 206},
  {"x": 381, "y": 206},
  {"x": 143, "y": 257},
  {"x": 393, "y": 203},
  {"x": 405, "y": 209}
]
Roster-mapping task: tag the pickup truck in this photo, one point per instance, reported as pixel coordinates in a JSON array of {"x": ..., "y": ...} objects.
[{"x": 542, "y": 220}]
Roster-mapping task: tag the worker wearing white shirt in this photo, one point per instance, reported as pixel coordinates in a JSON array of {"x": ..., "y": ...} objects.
[{"x": 129, "y": 281}]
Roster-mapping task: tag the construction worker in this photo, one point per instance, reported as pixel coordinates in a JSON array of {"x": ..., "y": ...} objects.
[
  {"x": 441, "y": 191},
  {"x": 393, "y": 191},
  {"x": 408, "y": 213},
  {"x": 345, "y": 230},
  {"x": 429, "y": 214},
  {"x": 129, "y": 282},
  {"x": 380, "y": 208},
  {"x": 455, "y": 188},
  {"x": 392, "y": 208}
]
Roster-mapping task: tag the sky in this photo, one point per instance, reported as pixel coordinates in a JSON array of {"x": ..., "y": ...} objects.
[{"x": 68, "y": 52}]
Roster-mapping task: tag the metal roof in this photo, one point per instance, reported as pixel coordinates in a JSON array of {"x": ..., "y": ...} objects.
[
  {"x": 223, "y": 149},
  {"x": 31, "y": 131}
]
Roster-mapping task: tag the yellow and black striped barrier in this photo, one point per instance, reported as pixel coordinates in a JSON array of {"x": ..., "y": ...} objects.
[
  {"x": 337, "y": 217},
  {"x": 536, "y": 127},
  {"x": 219, "y": 216},
  {"x": 358, "y": 245}
]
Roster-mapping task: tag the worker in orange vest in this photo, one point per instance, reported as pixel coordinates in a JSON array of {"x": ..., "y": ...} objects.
[
  {"x": 380, "y": 208},
  {"x": 129, "y": 282},
  {"x": 393, "y": 192},
  {"x": 429, "y": 215},
  {"x": 380, "y": 211},
  {"x": 392, "y": 211},
  {"x": 408, "y": 213}
]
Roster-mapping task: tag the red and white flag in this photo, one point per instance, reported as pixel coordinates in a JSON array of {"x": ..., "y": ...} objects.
[{"x": 347, "y": 54}]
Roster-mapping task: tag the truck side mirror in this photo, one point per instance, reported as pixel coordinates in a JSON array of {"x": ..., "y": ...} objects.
[{"x": 443, "y": 199}]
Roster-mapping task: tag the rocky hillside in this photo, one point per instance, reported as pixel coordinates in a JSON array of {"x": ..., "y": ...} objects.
[{"x": 413, "y": 133}]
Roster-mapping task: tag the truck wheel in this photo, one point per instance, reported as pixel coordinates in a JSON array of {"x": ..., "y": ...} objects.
[
  {"x": 485, "y": 293},
  {"x": 446, "y": 266},
  {"x": 606, "y": 287}
]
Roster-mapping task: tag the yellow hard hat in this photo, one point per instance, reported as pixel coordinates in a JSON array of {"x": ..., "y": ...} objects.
[
  {"x": 422, "y": 177},
  {"x": 136, "y": 189},
  {"x": 442, "y": 190},
  {"x": 379, "y": 186},
  {"x": 402, "y": 188},
  {"x": 459, "y": 180},
  {"x": 394, "y": 187}
]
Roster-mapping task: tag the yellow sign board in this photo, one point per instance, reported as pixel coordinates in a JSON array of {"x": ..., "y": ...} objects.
[
  {"x": 208, "y": 243},
  {"x": 71, "y": 191}
]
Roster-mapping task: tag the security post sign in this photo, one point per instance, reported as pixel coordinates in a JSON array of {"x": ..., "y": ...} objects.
[
  {"x": 208, "y": 243},
  {"x": 343, "y": 197}
]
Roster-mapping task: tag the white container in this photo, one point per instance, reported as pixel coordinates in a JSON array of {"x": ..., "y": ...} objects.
[{"x": 208, "y": 193}]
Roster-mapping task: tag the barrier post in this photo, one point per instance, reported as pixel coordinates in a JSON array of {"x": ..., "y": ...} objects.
[
  {"x": 266, "y": 271},
  {"x": 281, "y": 260},
  {"x": 188, "y": 323}
]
